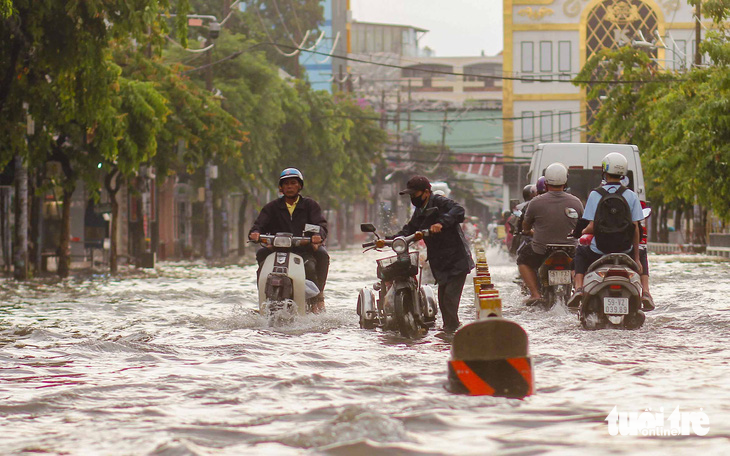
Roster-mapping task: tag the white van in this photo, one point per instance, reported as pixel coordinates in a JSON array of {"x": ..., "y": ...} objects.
[{"x": 584, "y": 165}]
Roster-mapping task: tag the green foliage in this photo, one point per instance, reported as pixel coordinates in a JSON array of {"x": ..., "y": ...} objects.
[
  {"x": 6, "y": 8},
  {"x": 680, "y": 121}
]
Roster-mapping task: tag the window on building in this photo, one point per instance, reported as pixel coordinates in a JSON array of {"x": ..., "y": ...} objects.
[
  {"x": 564, "y": 62},
  {"x": 527, "y": 53},
  {"x": 546, "y": 125},
  {"x": 564, "y": 123},
  {"x": 546, "y": 56},
  {"x": 528, "y": 126},
  {"x": 679, "y": 57}
]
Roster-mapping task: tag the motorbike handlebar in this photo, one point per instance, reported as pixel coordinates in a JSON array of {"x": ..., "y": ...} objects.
[
  {"x": 268, "y": 239},
  {"x": 368, "y": 244}
]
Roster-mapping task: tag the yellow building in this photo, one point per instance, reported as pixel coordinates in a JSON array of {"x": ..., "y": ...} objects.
[{"x": 546, "y": 43}]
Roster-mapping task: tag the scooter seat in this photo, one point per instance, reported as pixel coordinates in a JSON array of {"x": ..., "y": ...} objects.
[{"x": 615, "y": 259}]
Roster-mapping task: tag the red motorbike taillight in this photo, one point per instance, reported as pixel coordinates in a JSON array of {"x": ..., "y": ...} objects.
[
  {"x": 615, "y": 287},
  {"x": 558, "y": 260},
  {"x": 618, "y": 273}
]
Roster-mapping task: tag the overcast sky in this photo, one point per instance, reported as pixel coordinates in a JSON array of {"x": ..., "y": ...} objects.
[{"x": 456, "y": 27}]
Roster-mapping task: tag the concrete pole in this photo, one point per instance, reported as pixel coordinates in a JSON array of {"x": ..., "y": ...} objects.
[{"x": 20, "y": 257}]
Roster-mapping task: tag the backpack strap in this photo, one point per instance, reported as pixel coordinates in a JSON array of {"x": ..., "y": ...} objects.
[
  {"x": 621, "y": 190},
  {"x": 601, "y": 191}
]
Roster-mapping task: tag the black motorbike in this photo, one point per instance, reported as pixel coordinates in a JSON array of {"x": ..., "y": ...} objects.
[
  {"x": 555, "y": 274},
  {"x": 402, "y": 303}
]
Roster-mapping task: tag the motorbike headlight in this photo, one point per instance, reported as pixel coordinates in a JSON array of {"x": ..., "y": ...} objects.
[
  {"x": 400, "y": 245},
  {"x": 282, "y": 241}
]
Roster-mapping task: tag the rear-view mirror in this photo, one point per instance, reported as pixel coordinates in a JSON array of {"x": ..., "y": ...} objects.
[{"x": 367, "y": 227}]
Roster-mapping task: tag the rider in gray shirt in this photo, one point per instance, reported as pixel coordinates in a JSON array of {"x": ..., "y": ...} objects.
[{"x": 550, "y": 218}]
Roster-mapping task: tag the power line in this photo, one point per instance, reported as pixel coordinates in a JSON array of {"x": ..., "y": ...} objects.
[
  {"x": 296, "y": 50},
  {"x": 483, "y": 76},
  {"x": 478, "y": 119}
]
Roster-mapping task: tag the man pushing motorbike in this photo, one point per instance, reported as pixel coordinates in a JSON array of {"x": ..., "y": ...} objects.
[
  {"x": 549, "y": 219},
  {"x": 448, "y": 251},
  {"x": 290, "y": 213}
]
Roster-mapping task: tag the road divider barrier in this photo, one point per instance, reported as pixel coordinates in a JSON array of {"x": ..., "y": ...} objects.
[{"x": 490, "y": 356}]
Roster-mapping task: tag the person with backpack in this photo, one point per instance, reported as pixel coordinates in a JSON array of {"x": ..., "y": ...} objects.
[{"x": 613, "y": 213}]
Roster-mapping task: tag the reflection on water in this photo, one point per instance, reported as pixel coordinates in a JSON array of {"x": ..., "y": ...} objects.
[{"x": 177, "y": 361}]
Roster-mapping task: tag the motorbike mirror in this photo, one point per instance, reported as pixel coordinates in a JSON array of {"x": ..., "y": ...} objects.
[
  {"x": 647, "y": 212},
  {"x": 367, "y": 227}
]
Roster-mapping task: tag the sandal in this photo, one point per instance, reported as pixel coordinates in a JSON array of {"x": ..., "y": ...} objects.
[
  {"x": 532, "y": 301},
  {"x": 574, "y": 301},
  {"x": 647, "y": 303}
]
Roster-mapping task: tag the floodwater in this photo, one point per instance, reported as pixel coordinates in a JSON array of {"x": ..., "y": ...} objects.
[{"x": 176, "y": 362}]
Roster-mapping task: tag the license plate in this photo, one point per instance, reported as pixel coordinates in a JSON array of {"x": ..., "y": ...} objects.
[
  {"x": 616, "y": 306},
  {"x": 558, "y": 277}
]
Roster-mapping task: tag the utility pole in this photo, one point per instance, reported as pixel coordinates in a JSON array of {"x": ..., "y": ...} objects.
[
  {"x": 698, "y": 33},
  {"x": 698, "y": 227},
  {"x": 409, "y": 105},
  {"x": 397, "y": 124},
  {"x": 443, "y": 130},
  {"x": 211, "y": 172},
  {"x": 20, "y": 257}
]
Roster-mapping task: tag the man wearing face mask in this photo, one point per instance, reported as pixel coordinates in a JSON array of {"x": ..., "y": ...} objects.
[{"x": 448, "y": 252}]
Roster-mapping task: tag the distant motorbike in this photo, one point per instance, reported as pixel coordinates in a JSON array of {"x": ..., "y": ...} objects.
[
  {"x": 282, "y": 282},
  {"x": 555, "y": 274},
  {"x": 402, "y": 303}
]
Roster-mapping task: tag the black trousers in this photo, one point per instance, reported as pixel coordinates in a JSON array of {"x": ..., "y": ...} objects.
[
  {"x": 449, "y": 297},
  {"x": 316, "y": 263}
]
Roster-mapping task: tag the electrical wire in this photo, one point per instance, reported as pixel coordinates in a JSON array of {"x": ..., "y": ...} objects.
[{"x": 297, "y": 50}]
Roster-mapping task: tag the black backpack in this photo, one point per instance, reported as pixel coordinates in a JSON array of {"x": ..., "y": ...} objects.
[{"x": 613, "y": 228}]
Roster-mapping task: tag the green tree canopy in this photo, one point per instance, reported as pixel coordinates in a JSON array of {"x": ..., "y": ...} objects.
[{"x": 679, "y": 120}]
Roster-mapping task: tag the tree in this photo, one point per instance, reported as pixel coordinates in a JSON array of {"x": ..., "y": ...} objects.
[
  {"x": 56, "y": 59},
  {"x": 680, "y": 121}
]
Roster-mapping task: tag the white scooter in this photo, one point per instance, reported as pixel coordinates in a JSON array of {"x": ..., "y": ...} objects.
[
  {"x": 612, "y": 292},
  {"x": 282, "y": 282}
]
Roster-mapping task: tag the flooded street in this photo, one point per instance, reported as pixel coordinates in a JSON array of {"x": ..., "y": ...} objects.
[{"x": 176, "y": 362}]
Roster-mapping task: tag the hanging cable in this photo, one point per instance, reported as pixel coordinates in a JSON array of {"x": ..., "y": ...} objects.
[
  {"x": 334, "y": 46},
  {"x": 276, "y": 46},
  {"x": 194, "y": 51}
]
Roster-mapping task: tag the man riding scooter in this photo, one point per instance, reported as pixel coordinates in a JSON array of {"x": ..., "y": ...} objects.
[
  {"x": 549, "y": 219},
  {"x": 615, "y": 224},
  {"x": 290, "y": 213}
]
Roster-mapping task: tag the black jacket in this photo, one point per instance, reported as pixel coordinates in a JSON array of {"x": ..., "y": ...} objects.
[
  {"x": 448, "y": 252},
  {"x": 274, "y": 218}
]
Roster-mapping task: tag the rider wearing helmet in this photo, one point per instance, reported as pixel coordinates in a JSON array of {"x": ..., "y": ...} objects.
[
  {"x": 289, "y": 214},
  {"x": 541, "y": 186},
  {"x": 614, "y": 168},
  {"x": 549, "y": 218},
  {"x": 529, "y": 191}
]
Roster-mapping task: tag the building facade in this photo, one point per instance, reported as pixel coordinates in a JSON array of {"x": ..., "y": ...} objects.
[{"x": 546, "y": 44}]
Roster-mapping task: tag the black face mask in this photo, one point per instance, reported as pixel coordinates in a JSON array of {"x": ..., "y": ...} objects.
[{"x": 417, "y": 201}]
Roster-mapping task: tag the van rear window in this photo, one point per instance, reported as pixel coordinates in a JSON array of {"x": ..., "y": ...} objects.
[{"x": 582, "y": 181}]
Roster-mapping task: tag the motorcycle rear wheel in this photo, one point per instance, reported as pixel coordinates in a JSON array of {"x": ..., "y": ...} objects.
[
  {"x": 404, "y": 317},
  {"x": 364, "y": 322}
]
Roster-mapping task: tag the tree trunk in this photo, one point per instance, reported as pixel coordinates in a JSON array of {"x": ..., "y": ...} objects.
[
  {"x": 20, "y": 259},
  {"x": 64, "y": 245},
  {"x": 112, "y": 183},
  {"x": 663, "y": 222}
]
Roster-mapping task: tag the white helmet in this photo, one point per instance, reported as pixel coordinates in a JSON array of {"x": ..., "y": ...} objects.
[
  {"x": 615, "y": 163},
  {"x": 556, "y": 174}
]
